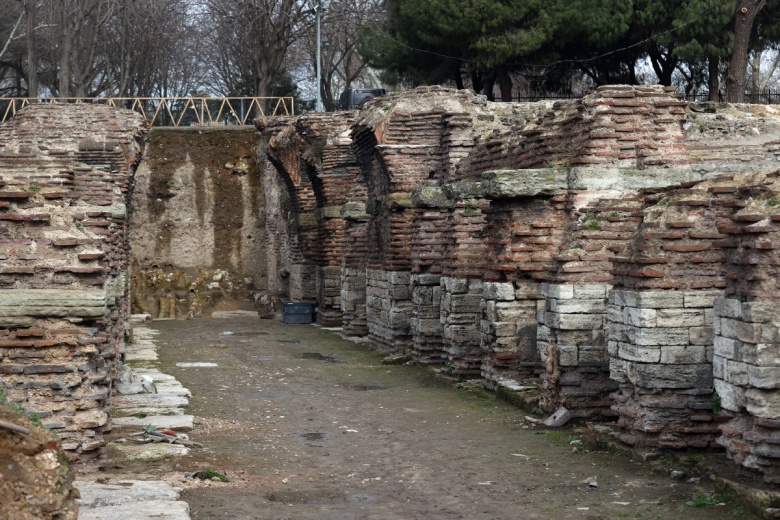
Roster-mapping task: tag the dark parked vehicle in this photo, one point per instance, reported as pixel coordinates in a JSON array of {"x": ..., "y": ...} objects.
[{"x": 354, "y": 98}]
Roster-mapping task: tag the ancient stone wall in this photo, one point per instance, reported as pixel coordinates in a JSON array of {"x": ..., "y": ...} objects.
[
  {"x": 591, "y": 247},
  {"x": 65, "y": 178}
]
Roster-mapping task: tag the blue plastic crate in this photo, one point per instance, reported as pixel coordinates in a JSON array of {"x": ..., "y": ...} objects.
[{"x": 299, "y": 312}]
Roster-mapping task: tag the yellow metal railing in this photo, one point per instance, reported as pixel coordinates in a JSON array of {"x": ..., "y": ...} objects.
[{"x": 177, "y": 111}]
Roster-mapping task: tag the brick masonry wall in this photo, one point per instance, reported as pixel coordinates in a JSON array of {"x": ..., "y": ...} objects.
[
  {"x": 65, "y": 178},
  {"x": 579, "y": 244}
]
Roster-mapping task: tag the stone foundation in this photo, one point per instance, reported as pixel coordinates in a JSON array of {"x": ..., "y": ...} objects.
[
  {"x": 388, "y": 309},
  {"x": 660, "y": 346},
  {"x": 329, "y": 312},
  {"x": 508, "y": 333},
  {"x": 460, "y": 315},
  {"x": 428, "y": 341},
  {"x": 353, "y": 301},
  {"x": 746, "y": 370},
  {"x": 572, "y": 344}
]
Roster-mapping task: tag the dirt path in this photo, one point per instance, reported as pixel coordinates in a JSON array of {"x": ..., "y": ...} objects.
[{"x": 310, "y": 426}]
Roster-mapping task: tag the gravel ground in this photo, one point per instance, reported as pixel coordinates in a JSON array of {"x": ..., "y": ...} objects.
[{"x": 307, "y": 425}]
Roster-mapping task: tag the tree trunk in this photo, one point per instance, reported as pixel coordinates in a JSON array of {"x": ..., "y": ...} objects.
[
  {"x": 743, "y": 26},
  {"x": 713, "y": 77},
  {"x": 504, "y": 85},
  {"x": 663, "y": 66},
  {"x": 487, "y": 85},
  {"x": 755, "y": 75},
  {"x": 32, "y": 50},
  {"x": 476, "y": 82}
]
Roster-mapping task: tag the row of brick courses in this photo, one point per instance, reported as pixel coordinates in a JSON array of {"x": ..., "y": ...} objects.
[{"x": 64, "y": 258}]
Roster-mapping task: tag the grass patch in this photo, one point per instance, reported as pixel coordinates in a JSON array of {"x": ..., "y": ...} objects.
[
  {"x": 208, "y": 474},
  {"x": 703, "y": 500}
]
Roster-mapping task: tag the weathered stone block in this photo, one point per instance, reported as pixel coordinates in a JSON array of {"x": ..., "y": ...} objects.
[
  {"x": 640, "y": 317},
  {"x": 767, "y": 378},
  {"x": 760, "y": 312},
  {"x": 726, "y": 347},
  {"x": 700, "y": 336},
  {"x": 763, "y": 403},
  {"x": 592, "y": 354},
  {"x": 498, "y": 291},
  {"x": 557, "y": 291},
  {"x": 567, "y": 355},
  {"x": 354, "y": 211},
  {"x": 671, "y": 376},
  {"x": 700, "y": 298},
  {"x": 748, "y": 332},
  {"x": 399, "y": 200},
  {"x": 762, "y": 354},
  {"x": 732, "y": 397},
  {"x": 683, "y": 355},
  {"x": 727, "y": 308},
  {"x": 573, "y": 321},
  {"x": 578, "y": 306},
  {"x": 631, "y": 352},
  {"x": 515, "y": 311},
  {"x": 430, "y": 197},
  {"x": 507, "y": 184},
  {"x": 680, "y": 318},
  {"x": 618, "y": 370},
  {"x": 660, "y": 336},
  {"x": 23, "y": 304},
  {"x": 591, "y": 291}
]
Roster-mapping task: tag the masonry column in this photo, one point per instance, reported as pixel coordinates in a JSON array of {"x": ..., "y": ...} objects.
[
  {"x": 746, "y": 364},
  {"x": 526, "y": 223},
  {"x": 571, "y": 333},
  {"x": 660, "y": 322}
]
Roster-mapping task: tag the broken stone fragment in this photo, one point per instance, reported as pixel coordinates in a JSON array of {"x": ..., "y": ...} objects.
[
  {"x": 354, "y": 211},
  {"x": 429, "y": 197},
  {"x": 558, "y": 419}
]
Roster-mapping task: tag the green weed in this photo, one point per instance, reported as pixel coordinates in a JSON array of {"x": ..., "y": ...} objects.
[
  {"x": 207, "y": 474},
  {"x": 716, "y": 405},
  {"x": 703, "y": 500}
]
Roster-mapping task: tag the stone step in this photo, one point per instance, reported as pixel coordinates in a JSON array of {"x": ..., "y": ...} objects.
[
  {"x": 130, "y": 500},
  {"x": 179, "y": 423}
]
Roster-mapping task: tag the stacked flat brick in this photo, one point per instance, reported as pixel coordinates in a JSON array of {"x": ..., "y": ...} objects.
[{"x": 65, "y": 175}]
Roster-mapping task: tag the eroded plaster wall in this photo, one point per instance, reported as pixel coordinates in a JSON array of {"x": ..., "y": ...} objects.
[{"x": 197, "y": 228}]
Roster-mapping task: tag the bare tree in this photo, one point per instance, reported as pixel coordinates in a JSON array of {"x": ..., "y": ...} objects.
[
  {"x": 158, "y": 57},
  {"x": 251, "y": 40},
  {"x": 344, "y": 23}
]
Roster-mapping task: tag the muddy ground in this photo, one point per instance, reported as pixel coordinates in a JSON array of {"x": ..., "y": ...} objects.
[{"x": 308, "y": 425}]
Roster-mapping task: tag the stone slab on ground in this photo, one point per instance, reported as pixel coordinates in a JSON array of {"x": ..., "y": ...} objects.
[
  {"x": 126, "y": 499},
  {"x": 234, "y": 314},
  {"x": 150, "y": 400},
  {"x": 139, "y": 511},
  {"x": 174, "y": 422},
  {"x": 146, "y": 354},
  {"x": 155, "y": 374},
  {"x": 156, "y": 451}
]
